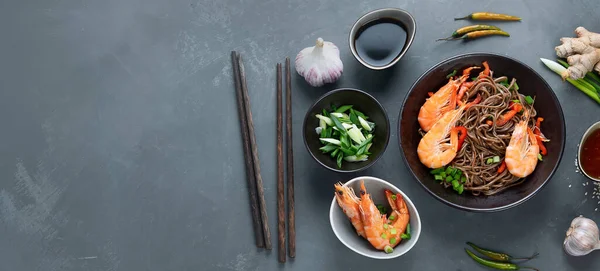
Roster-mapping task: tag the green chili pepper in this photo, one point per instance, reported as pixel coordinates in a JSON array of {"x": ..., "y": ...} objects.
[
  {"x": 482, "y": 33},
  {"x": 464, "y": 30},
  {"x": 496, "y": 265},
  {"x": 503, "y": 257},
  {"x": 488, "y": 16}
]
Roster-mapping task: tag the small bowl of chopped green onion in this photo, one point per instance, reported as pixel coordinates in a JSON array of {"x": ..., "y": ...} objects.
[{"x": 346, "y": 130}]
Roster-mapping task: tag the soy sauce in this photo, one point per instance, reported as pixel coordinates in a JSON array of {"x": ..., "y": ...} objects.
[
  {"x": 590, "y": 154},
  {"x": 379, "y": 42}
]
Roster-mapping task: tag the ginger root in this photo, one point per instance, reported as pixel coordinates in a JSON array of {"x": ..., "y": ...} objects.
[{"x": 582, "y": 53}]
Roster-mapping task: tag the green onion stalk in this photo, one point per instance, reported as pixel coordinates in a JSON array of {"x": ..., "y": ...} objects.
[{"x": 585, "y": 87}]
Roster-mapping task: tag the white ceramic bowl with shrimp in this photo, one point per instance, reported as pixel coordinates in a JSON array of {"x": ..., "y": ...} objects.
[{"x": 345, "y": 232}]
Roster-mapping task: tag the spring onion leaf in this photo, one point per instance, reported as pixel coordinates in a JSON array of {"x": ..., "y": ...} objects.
[
  {"x": 405, "y": 236},
  {"x": 557, "y": 68},
  {"x": 343, "y": 108},
  {"x": 340, "y": 156},
  {"x": 333, "y": 107},
  {"x": 407, "y": 228},
  {"x": 334, "y": 153},
  {"x": 361, "y": 150},
  {"x": 354, "y": 117},
  {"x": 450, "y": 75},
  {"x": 529, "y": 100},
  {"x": 325, "y": 113},
  {"x": 540, "y": 157}
]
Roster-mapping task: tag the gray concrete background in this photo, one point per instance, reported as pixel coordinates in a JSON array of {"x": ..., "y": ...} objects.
[{"x": 120, "y": 145}]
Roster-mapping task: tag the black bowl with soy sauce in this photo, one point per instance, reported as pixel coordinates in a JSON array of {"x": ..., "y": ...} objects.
[{"x": 380, "y": 38}]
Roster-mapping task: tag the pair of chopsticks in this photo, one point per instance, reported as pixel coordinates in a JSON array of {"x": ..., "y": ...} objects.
[
  {"x": 290, "y": 167},
  {"x": 258, "y": 207}
]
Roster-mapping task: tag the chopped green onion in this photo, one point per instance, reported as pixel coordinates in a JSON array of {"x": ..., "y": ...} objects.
[
  {"x": 333, "y": 107},
  {"x": 393, "y": 240},
  {"x": 443, "y": 174},
  {"x": 407, "y": 228},
  {"x": 392, "y": 217},
  {"x": 356, "y": 135},
  {"x": 515, "y": 87},
  {"x": 540, "y": 157},
  {"x": 459, "y": 172},
  {"x": 516, "y": 101},
  {"x": 529, "y": 100},
  {"x": 504, "y": 83},
  {"x": 331, "y": 140},
  {"x": 336, "y": 122},
  {"x": 358, "y": 113},
  {"x": 327, "y": 148},
  {"x": 489, "y": 161},
  {"x": 449, "y": 179},
  {"x": 334, "y": 153},
  {"x": 463, "y": 179},
  {"x": 405, "y": 236},
  {"x": 437, "y": 171},
  {"x": 455, "y": 184},
  {"x": 343, "y": 108},
  {"x": 385, "y": 226},
  {"x": 356, "y": 158},
  {"x": 364, "y": 123},
  {"x": 388, "y": 249},
  {"x": 393, "y": 231},
  {"x": 438, "y": 178},
  {"x": 453, "y": 73},
  {"x": 325, "y": 119},
  {"x": 448, "y": 171},
  {"x": 394, "y": 197},
  {"x": 473, "y": 78},
  {"x": 460, "y": 189},
  {"x": 340, "y": 156},
  {"x": 384, "y": 236},
  {"x": 496, "y": 159}
]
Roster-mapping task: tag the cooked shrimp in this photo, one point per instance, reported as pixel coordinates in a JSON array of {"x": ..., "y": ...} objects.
[
  {"x": 465, "y": 85},
  {"x": 522, "y": 152},
  {"x": 372, "y": 220},
  {"x": 442, "y": 101},
  {"x": 432, "y": 150},
  {"x": 348, "y": 201},
  {"x": 399, "y": 218}
]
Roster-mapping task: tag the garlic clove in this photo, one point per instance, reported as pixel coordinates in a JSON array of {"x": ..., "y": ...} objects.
[
  {"x": 320, "y": 64},
  {"x": 582, "y": 237}
]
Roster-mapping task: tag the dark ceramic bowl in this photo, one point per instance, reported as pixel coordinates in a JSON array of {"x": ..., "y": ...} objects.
[
  {"x": 362, "y": 102},
  {"x": 530, "y": 83}
]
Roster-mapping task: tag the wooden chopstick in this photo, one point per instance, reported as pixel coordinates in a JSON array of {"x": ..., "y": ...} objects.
[
  {"x": 255, "y": 160},
  {"x": 280, "y": 189},
  {"x": 256, "y": 220},
  {"x": 290, "y": 161}
]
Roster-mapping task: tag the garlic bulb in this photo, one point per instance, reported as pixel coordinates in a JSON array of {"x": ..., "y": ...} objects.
[
  {"x": 582, "y": 237},
  {"x": 320, "y": 64}
]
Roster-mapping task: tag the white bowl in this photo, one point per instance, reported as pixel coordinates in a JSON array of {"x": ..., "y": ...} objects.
[{"x": 346, "y": 233}]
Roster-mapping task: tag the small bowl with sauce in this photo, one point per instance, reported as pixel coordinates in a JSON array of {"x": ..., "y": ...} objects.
[
  {"x": 381, "y": 37},
  {"x": 589, "y": 152}
]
